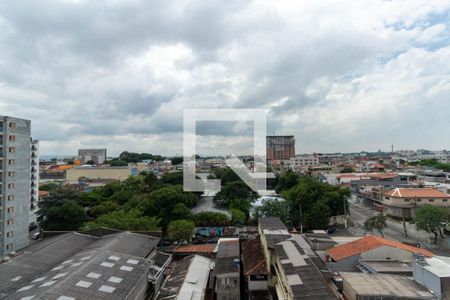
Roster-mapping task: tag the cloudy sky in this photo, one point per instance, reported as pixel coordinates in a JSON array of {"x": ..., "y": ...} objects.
[{"x": 339, "y": 75}]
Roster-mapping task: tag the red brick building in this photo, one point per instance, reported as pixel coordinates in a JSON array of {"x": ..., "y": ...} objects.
[{"x": 280, "y": 147}]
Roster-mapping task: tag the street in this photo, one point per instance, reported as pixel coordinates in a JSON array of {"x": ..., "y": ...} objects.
[{"x": 394, "y": 230}]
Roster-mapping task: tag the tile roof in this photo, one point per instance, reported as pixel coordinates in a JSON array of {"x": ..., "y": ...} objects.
[
  {"x": 416, "y": 193},
  {"x": 368, "y": 243},
  {"x": 253, "y": 258},
  {"x": 203, "y": 248}
]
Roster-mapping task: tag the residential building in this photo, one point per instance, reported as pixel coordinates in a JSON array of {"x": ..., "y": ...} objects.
[
  {"x": 187, "y": 280},
  {"x": 293, "y": 274},
  {"x": 34, "y": 178},
  {"x": 256, "y": 272},
  {"x": 82, "y": 266},
  {"x": 403, "y": 202},
  {"x": 358, "y": 286},
  {"x": 227, "y": 270},
  {"x": 280, "y": 147},
  {"x": 302, "y": 161},
  {"x": 74, "y": 174},
  {"x": 98, "y": 156},
  {"x": 15, "y": 192},
  {"x": 433, "y": 273}
]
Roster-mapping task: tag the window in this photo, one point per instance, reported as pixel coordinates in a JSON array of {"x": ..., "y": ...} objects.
[
  {"x": 419, "y": 200},
  {"x": 406, "y": 200},
  {"x": 9, "y": 246},
  {"x": 10, "y": 222},
  {"x": 12, "y": 125},
  {"x": 11, "y": 162},
  {"x": 10, "y": 185},
  {"x": 10, "y": 197},
  {"x": 10, "y": 209},
  {"x": 11, "y": 174},
  {"x": 12, "y": 150},
  {"x": 387, "y": 198},
  {"x": 9, "y": 234},
  {"x": 444, "y": 200},
  {"x": 431, "y": 200},
  {"x": 12, "y": 138}
]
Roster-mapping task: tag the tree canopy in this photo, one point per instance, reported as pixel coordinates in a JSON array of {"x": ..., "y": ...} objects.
[
  {"x": 377, "y": 223},
  {"x": 431, "y": 219},
  {"x": 181, "y": 230}
]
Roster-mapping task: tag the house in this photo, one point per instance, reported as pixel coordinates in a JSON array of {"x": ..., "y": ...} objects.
[
  {"x": 293, "y": 274},
  {"x": 402, "y": 202},
  {"x": 433, "y": 273},
  {"x": 382, "y": 287},
  {"x": 348, "y": 257},
  {"x": 227, "y": 270},
  {"x": 256, "y": 273}
]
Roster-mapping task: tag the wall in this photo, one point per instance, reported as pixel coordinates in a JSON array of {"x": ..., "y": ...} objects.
[
  {"x": 118, "y": 173},
  {"x": 385, "y": 252},
  {"x": 427, "y": 279}
]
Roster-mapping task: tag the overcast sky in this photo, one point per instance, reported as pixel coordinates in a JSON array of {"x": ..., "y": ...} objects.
[{"x": 339, "y": 75}]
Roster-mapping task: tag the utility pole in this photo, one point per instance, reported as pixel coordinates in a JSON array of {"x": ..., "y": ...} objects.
[{"x": 301, "y": 217}]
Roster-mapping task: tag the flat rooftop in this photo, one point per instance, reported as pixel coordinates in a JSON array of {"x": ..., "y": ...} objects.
[
  {"x": 383, "y": 285},
  {"x": 74, "y": 264}
]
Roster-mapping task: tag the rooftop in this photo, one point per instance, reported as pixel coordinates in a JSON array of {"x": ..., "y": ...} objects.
[
  {"x": 75, "y": 264},
  {"x": 438, "y": 265},
  {"x": 383, "y": 285},
  {"x": 416, "y": 193},
  {"x": 227, "y": 254},
  {"x": 370, "y": 242},
  {"x": 253, "y": 258},
  {"x": 203, "y": 248},
  {"x": 187, "y": 279}
]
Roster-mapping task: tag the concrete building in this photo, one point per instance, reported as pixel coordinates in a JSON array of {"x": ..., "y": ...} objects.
[
  {"x": 227, "y": 270},
  {"x": 403, "y": 202},
  {"x": 81, "y": 266},
  {"x": 73, "y": 175},
  {"x": 15, "y": 174},
  {"x": 433, "y": 273},
  {"x": 302, "y": 161},
  {"x": 280, "y": 147},
  {"x": 96, "y": 155},
  {"x": 293, "y": 274},
  {"x": 34, "y": 177},
  {"x": 360, "y": 286}
]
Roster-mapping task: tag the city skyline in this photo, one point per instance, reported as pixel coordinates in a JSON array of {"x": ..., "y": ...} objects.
[{"x": 338, "y": 82}]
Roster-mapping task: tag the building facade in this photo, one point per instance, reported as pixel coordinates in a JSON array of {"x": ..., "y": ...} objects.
[
  {"x": 34, "y": 178},
  {"x": 98, "y": 156},
  {"x": 15, "y": 186},
  {"x": 280, "y": 147},
  {"x": 301, "y": 161}
]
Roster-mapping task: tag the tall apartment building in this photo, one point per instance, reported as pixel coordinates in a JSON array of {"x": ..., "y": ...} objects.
[
  {"x": 96, "y": 155},
  {"x": 281, "y": 147},
  {"x": 34, "y": 178},
  {"x": 15, "y": 192}
]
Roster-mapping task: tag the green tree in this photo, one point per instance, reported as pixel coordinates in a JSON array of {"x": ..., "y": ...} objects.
[
  {"x": 104, "y": 208},
  {"x": 121, "y": 220},
  {"x": 209, "y": 218},
  {"x": 181, "y": 230},
  {"x": 318, "y": 216},
  {"x": 278, "y": 209},
  {"x": 176, "y": 160},
  {"x": 67, "y": 216},
  {"x": 286, "y": 181},
  {"x": 234, "y": 190},
  {"x": 118, "y": 163},
  {"x": 173, "y": 178},
  {"x": 90, "y": 162},
  {"x": 377, "y": 222},
  {"x": 237, "y": 216},
  {"x": 431, "y": 219},
  {"x": 51, "y": 186}
]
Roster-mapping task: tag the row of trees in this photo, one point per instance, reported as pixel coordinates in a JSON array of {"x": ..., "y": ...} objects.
[{"x": 429, "y": 218}]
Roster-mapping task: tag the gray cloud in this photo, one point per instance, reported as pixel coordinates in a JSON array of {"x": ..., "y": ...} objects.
[{"x": 342, "y": 76}]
